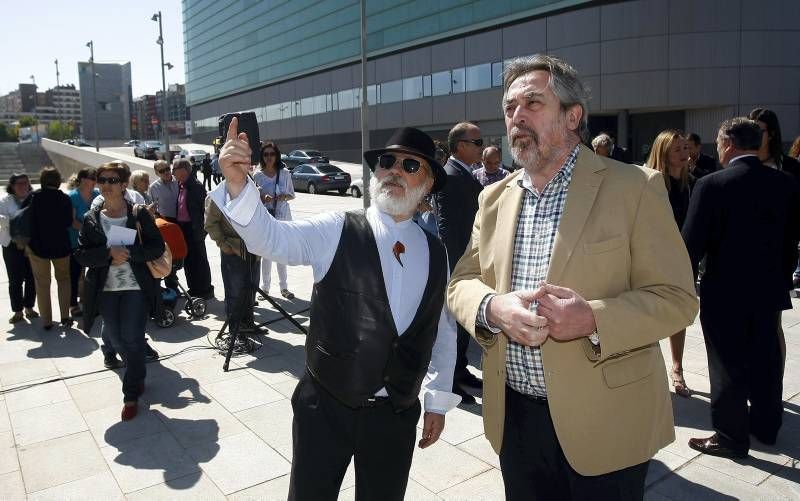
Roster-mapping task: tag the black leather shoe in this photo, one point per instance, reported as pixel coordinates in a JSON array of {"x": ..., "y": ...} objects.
[
  {"x": 113, "y": 362},
  {"x": 713, "y": 447},
  {"x": 470, "y": 380},
  {"x": 466, "y": 398}
]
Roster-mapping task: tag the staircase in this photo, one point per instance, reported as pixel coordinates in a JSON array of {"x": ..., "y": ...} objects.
[{"x": 10, "y": 162}]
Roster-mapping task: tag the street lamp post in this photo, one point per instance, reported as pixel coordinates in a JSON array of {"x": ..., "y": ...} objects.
[
  {"x": 364, "y": 105},
  {"x": 35, "y": 102},
  {"x": 90, "y": 44},
  {"x": 164, "y": 118}
]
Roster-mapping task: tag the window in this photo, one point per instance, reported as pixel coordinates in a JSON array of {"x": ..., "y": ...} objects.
[
  {"x": 347, "y": 99},
  {"x": 426, "y": 85},
  {"x": 273, "y": 112},
  {"x": 442, "y": 85},
  {"x": 391, "y": 92},
  {"x": 412, "y": 88},
  {"x": 306, "y": 106},
  {"x": 479, "y": 77},
  {"x": 458, "y": 80},
  {"x": 320, "y": 103},
  {"x": 301, "y": 169},
  {"x": 373, "y": 94},
  {"x": 497, "y": 74}
]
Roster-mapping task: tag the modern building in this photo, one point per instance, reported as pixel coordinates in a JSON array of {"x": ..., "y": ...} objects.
[
  {"x": 113, "y": 100},
  {"x": 64, "y": 102},
  {"x": 177, "y": 112},
  {"x": 145, "y": 120},
  {"x": 59, "y": 103},
  {"x": 651, "y": 64}
]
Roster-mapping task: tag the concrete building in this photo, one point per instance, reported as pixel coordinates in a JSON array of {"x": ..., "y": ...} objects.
[
  {"x": 177, "y": 114},
  {"x": 65, "y": 103},
  {"x": 59, "y": 103},
  {"x": 145, "y": 119},
  {"x": 114, "y": 100},
  {"x": 651, "y": 65}
]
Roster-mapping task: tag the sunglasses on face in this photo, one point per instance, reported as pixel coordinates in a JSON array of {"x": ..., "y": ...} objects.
[
  {"x": 477, "y": 142},
  {"x": 409, "y": 165},
  {"x": 268, "y": 154},
  {"x": 109, "y": 180}
]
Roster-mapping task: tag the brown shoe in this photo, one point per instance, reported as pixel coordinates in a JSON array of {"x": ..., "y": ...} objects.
[
  {"x": 16, "y": 317},
  {"x": 713, "y": 447}
]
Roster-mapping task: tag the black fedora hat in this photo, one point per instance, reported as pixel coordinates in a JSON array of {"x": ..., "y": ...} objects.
[{"x": 413, "y": 142}]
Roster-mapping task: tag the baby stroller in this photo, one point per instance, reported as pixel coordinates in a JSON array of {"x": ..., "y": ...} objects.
[{"x": 172, "y": 290}]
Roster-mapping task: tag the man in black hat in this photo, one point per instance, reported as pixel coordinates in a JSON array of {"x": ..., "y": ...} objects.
[{"x": 378, "y": 333}]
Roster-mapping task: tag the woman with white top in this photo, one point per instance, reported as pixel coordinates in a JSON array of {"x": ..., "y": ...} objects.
[
  {"x": 119, "y": 285},
  {"x": 21, "y": 288},
  {"x": 275, "y": 186}
]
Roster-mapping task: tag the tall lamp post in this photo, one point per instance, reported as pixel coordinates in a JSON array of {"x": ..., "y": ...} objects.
[
  {"x": 35, "y": 102},
  {"x": 164, "y": 118},
  {"x": 364, "y": 105},
  {"x": 90, "y": 44},
  {"x": 58, "y": 90}
]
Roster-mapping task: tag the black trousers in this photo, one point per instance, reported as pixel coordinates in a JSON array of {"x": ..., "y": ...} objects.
[
  {"x": 21, "y": 288},
  {"x": 75, "y": 271},
  {"x": 534, "y": 466},
  {"x": 744, "y": 363},
  {"x": 195, "y": 265},
  {"x": 326, "y": 434}
]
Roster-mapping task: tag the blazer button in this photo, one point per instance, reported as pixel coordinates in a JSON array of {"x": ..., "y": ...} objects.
[
  {"x": 395, "y": 344},
  {"x": 386, "y": 378}
]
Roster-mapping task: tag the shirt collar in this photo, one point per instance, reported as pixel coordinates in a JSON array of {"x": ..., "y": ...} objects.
[
  {"x": 564, "y": 174},
  {"x": 459, "y": 162},
  {"x": 389, "y": 221},
  {"x": 741, "y": 156}
]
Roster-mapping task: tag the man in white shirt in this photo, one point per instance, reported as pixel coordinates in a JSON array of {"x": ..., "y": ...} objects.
[{"x": 378, "y": 332}]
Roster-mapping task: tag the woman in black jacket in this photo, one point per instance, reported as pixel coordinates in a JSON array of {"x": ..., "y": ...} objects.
[{"x": 118, "y": 282}]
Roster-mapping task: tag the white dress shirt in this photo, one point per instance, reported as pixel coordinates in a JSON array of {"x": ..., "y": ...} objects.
[{"x": 314, "y": 242}]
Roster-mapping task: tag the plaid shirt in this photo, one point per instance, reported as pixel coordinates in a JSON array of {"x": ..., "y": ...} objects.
[{"x": 537, "y": 226}]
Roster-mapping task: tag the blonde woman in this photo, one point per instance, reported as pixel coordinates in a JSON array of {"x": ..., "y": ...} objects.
[{"x": 670, "y": 156}]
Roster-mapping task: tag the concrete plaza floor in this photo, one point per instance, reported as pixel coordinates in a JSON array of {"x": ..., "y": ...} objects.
[{"x": 207, "y": 434}]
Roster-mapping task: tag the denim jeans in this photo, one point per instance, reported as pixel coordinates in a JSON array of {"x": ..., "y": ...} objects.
[
  {"x": 234, "y": 279},
  {"x": 125, "y": 316}
]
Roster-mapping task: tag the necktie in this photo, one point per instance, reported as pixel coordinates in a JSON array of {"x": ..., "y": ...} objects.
[{"x": 398, "y": 249}]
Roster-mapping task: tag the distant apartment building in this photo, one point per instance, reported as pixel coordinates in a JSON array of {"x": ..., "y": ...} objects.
[
  {"x": 146, "y": 118},
  {"x": 176, "y": 108},
  {"x": 59, "y": 103},
  {"x": 112, "y": 102}
]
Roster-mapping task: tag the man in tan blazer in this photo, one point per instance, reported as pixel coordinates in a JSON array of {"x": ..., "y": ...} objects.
[{"x": 574, "y": 272}]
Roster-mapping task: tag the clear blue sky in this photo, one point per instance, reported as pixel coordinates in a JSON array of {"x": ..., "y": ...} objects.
[{"x": 35, "y": 33}]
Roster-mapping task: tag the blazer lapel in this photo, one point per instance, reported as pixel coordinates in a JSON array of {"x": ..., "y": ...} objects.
[
  {"x": 580, "y": 199},
  {"x": 505, "y": 231}
]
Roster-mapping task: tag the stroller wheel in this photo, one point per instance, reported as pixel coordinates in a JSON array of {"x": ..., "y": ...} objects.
[
  {"x": 167, "y": 319},
  {"x": 198, "y": 307}
]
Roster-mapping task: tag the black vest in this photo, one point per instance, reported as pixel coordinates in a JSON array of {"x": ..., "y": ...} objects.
[{"x": 353, "y": 348}]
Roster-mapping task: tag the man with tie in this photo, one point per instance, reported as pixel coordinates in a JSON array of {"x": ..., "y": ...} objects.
[
  {"x": 378, "y": 332},
  {"x": 574, "y": 272}
]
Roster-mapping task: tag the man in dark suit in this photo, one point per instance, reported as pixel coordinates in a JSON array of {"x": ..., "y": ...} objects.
[
  {"x": 457, "y": 204},
  {"x": 700, "y": 164},
  {"x": 190, "y": 215},
  {"x": 744, "y": 219}
]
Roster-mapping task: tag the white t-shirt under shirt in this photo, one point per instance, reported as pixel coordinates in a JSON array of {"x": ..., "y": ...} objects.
[{"x": 120, "y": 276}]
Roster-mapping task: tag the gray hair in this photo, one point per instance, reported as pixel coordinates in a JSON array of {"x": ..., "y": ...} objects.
[
  {"x": 489, "y": 150},
  {"x": 564, "y": 83},
  {"x": 138, "y": 175},
  {"x": 745, "y": 134},
  {"x": 603, "y": 140}
]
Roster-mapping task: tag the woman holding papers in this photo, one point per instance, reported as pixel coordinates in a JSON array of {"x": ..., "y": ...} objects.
[{"x": 115, "y": 243}]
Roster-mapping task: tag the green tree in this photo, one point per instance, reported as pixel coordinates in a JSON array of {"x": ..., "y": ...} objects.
[
  {"x": 27, "y": 121},
  {"x": 58, "y": 130}
]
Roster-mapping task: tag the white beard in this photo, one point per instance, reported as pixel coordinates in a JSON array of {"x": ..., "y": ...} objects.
[{"x": 396, "y": 206}]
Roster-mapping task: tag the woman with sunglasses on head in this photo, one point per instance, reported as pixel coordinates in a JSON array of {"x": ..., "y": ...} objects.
[
  {"x": 21, "y": 289},
  {"x": 49, "y": 245},
  {"x": 119, "y": 285},
  {"x": 81, "y": 197},
  {"x": 276, "y": 190}
]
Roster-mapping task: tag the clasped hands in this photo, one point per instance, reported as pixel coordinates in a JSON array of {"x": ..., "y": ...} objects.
[
  {"x": 119, "y": 255},
  {"x": 561, "y": 313}
]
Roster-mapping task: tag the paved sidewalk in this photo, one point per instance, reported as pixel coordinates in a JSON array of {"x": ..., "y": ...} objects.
[{"x": 206, "y": 434}]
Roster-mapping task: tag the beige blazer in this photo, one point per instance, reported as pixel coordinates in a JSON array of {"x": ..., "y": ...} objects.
[{"x": 617, "y": 246}]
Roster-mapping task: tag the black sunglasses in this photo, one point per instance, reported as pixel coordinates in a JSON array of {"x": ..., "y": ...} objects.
[
  {"x": 269, "y": 154},
  {"x": 410, "y": 165},
  {"x": 109, "y": 180},
  {"x": 477, "y": 142}
]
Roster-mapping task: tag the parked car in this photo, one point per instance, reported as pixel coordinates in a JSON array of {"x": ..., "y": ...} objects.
[
  {"x": 132, "y": 142},
  {"x": 297, "y": 157},
  {"x": 147, "y": 149},
  {"x": 198, "y": 155},
  {"x": 319, "y": 178},
  {"x": 174, "y": 151},
  {"x": 357, "y": 188}
]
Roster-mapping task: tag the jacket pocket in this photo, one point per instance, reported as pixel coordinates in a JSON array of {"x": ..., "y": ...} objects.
[
  {"x": 630, "y": 368},
  {"x": 604, "y": 246}
]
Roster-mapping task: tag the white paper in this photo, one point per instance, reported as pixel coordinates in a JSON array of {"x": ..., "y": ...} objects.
[{"x": 119, "y": 235}]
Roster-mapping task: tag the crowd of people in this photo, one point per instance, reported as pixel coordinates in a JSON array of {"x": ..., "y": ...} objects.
[{"x": 566, "y": 271}]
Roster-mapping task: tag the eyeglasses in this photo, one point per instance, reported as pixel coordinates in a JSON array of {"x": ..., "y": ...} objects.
[
  {"x": 388, "y": 161},
  {"x": 477, "y": 142},
  {"x": 269, "y": 154},
  {"x": 109, "y": 180}
]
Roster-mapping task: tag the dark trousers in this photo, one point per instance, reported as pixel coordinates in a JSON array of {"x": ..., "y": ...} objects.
[
  {"x": 234, "y": 279},
  {"x": 462, "y": 344},
  {"x": 75, "y": 272},
  {"x": 326, "y": 434},
  {"x": 21, "y": 288},
  {"x": 534, "y": 466},
  {"x": 207, "y": 180},
  {"x": 744, "y": 363},
  {"x": 195, "y": 265},
  {"x": 125, "y": 316}
]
